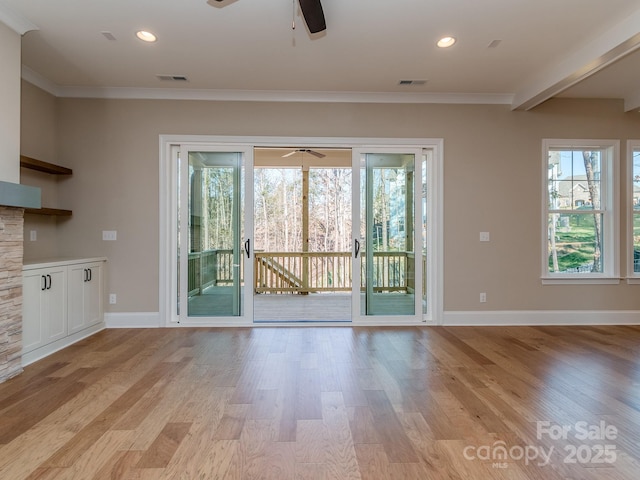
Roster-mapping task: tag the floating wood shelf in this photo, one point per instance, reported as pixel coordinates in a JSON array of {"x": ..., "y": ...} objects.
[
  {"x": 46, "y": 167},
  {"x": 49, "y": 211}
]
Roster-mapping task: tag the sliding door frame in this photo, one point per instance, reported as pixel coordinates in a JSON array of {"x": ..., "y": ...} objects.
[
  {"x": 168, "y": 221},
  {"x": 359, "y": 160},
  {"x": 242, "y": 202}
]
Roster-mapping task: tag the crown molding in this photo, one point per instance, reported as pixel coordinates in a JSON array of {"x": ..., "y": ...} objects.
[
  {"x": 39, "y": 81},
  {"x": 15, "y": 22},
  {"x": 260, "y": 95},
  {"x": 632, "y": 101},
  {"x": 281, "y": 96}
]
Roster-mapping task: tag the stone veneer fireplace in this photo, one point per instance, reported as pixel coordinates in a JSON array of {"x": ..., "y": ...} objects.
[
  {"x": 11, "y": 233},
  {"x": 13, "y": 199}
]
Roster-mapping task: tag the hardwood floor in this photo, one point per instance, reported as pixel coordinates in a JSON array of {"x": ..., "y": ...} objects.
[{"x": 329, "y": 403}]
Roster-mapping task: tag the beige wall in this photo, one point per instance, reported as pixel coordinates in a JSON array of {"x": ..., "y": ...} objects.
[
  {"x": 38, "y": 139},
  {"x": 9, "y": 105},
  {"x": 492, "y": 162}
]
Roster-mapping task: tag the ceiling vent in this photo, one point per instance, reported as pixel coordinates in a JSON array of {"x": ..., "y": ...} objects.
[
  {"x": 172, "y": 78},
  {"x": 412, "y": 82}
]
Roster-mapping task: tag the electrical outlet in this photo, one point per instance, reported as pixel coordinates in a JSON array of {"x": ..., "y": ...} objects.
[
  {"x": 109, "y": 235},
  {"x": 483, "y": 297},
  {"x": 113, "y": 299},
  {"x": 33, "y": 235}
]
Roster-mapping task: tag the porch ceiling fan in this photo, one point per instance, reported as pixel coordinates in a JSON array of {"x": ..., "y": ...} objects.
[{"x": 304, "y": 150}]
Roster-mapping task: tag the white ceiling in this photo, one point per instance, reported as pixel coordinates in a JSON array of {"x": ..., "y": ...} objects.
[{"x": 246, "y": 49}]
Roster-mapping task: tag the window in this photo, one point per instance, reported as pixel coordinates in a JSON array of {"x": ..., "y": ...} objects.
[
  {"x": 633, "y": 270},
  {"x": 580, "y": 211}
]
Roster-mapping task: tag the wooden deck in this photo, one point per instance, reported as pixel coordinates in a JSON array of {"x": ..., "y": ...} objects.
[
  {"x": 320, "y": 307},
  {"x": 327, "y": 403}
]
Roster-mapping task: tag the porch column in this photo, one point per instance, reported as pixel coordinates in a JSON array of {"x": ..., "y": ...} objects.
[{"x": 305, "y": 229}]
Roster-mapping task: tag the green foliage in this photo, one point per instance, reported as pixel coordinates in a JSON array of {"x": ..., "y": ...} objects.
[{"x": 576, "y": 243}]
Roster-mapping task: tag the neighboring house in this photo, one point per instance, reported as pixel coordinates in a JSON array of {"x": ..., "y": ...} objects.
[{"x": 573, "y": 192}]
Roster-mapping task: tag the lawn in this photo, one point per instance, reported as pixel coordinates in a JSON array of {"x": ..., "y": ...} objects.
[{"x": 575, "y": 242}]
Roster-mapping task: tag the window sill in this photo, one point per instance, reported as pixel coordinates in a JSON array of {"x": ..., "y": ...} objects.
[
  {"x": 582, "y": 280},
  {"x": 633, "y": 280}
]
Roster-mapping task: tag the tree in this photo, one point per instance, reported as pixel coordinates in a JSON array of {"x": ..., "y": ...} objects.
[{"x": 590, "y": 165}]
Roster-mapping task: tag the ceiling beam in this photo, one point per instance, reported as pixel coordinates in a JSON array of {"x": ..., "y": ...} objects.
[{"x": 615, "y": 43}]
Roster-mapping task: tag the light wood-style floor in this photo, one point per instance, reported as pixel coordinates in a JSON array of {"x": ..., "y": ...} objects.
[{"x": 328, "y": 403}]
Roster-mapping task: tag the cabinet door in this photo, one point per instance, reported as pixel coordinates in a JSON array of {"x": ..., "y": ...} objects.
[
  {"x": 44, "y": 307},
  {"x": 77, "y": 279},
  {"x": 55, "y": 304},
  {"x": 93, "y": 294},
  {"x": 85, "y": 296},
  {"x": 33, "y": 328}
]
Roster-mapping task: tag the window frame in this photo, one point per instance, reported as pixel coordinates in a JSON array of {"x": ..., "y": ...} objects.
[
  {"x": 609, "y": 206},
  {"x": 632, "y": 276}
]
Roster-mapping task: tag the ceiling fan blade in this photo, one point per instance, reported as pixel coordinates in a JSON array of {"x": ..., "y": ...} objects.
[
  {"x": 313, "y": 15},
  {"x": 316, "y": 154},
  {"x": 304, "y": 150}
]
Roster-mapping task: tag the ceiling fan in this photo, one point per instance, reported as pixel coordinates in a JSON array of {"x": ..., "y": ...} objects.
[
  {"x": 304, "y": 150},
  {"x": 312, "y": 13}
]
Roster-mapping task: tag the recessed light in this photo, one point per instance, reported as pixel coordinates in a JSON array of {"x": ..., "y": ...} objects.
[
  {"x": 445, "y": 42},
  {"x": 146, "y": 36}
]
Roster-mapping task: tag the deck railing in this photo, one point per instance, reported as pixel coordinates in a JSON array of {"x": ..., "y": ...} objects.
[
  {"x": 210, "y": 268},
  {"x": 304, "y": 272},
  {"x": 389, "y": 272}
]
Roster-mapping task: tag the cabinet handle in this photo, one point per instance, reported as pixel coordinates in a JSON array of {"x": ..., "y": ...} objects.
[
  {"x": 49, "y": 278},
  {"x": 85, "y": 274},
  {"x": 44, "y": 282},
  {"x": 90, "y": 274}
]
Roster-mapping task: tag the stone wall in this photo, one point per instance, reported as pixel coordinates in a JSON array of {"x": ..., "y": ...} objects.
[{"x": 11, "y": 232}]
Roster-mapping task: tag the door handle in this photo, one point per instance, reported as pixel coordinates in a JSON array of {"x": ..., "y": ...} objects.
[
  {"x": 357, "y": 245},
  {"x": 247, "y": 247}
]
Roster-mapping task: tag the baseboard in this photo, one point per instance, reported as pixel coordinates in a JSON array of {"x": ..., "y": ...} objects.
[
  {"x": 132, "y": 320},
  {"x": 542, "y": 317},
  {"x": 450, "y": 318},
  {"x": 46, "y": 350}
]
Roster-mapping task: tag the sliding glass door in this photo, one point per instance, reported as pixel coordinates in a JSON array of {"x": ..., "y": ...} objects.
[
  {"x": 213, "y": 244},
  {"x": 343, "y": 234},
  {"x": 386, "y": 234}
]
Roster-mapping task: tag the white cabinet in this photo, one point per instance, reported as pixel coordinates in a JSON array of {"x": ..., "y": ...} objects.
[
  {"x": 44, "y": 307},
  {"x": 85, "y": 295},
  {"x": 63, "y": 301}
]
